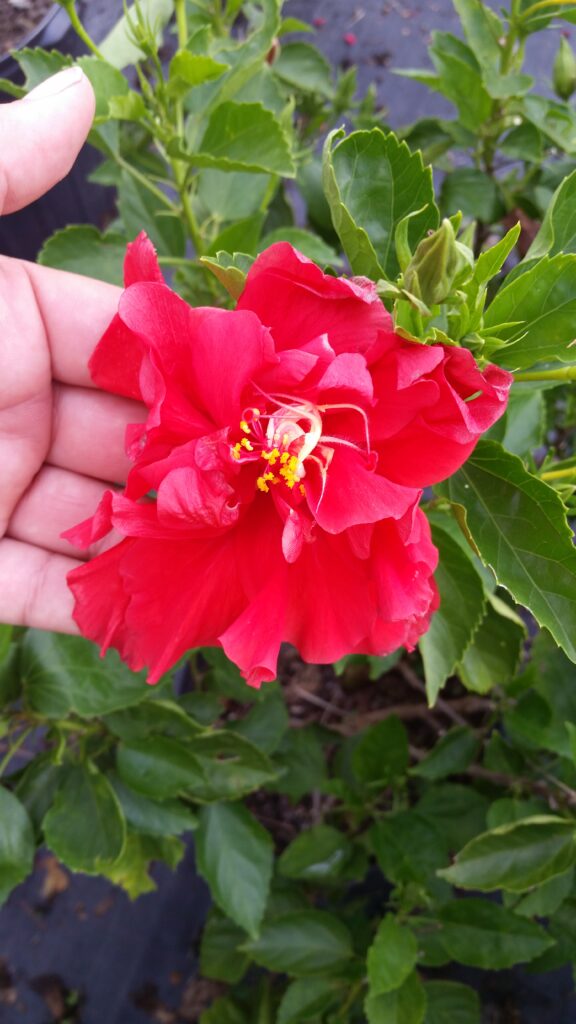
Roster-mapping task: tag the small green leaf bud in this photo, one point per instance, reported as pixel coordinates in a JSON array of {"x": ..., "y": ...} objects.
[
  {"x": 564, "y": 70},
  {"x": 438, "y": 261}
]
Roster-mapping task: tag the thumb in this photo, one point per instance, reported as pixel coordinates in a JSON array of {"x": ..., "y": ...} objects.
[{"x": 41, "y": 136}]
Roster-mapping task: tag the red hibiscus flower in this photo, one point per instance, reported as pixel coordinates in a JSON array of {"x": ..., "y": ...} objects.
[{"x": 275, "y": 483}]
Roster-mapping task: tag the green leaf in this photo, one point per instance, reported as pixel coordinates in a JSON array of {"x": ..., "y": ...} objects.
[
  {"x": 536, "y": 314},
  {"x": 106, "y": 81},
  {"x": 482, "y": 32},
  {"x": 38, "y": 64},
  {"x": 520, "y": 527},
  {"x": 118, "y": 48},
  {"x": 316, "y": 855},
  {"x": 459, "y": 812},
  {"x": 462, "y": 604},
  {"x": 265, "y": 724},
  {"x": 10, "y": 676},
  {"x": 37, "y": 786},
  {"x": 82, "y": 249},
  {"x": 235, "y": 856},
  {"x": 494, "y": 654},
  {"x": 546, "y": 898},
  {"x": 406, "y": 1005},
  {"x": 16, "y": 91},
  {"x": 305, "y": 69},
  {"x": 230, "y": 195},
  {"x": 131, "y": 869},
  {"x": 128, "y": 107},
  {"x": 311, "y": 245},
  {"x": 303, "y": 943},
  {"x": 230, "y": 270},
  {"x": 304, "y": 999},
  {"x": 555, "y": 120},
  {"x": 294, "y": 25},
  {"x": 483, "y": 934},
  {"x": 150, "y": 817},
  {"x": 381, "y": 753},
  {"x": 391, "y": 957},
  {"x": 524, "y": 421},
  {"x": 459, "y": 79},
  {"x": 515, "y": 857},
  {"x": 372, "y": 181},
  {"x": 472, "y": 192},
  {"x": 408, "y": 847},
  {"x": 223, "y": 1011},
  {"x": 220, "y": 958},
  {"x": 231, "y": 766},
  {"x": 302, "y": 758},
  {"x": 6, "y": 634},
  {"x": 141, "y": 210},
  {"x": 66, "y": 673},
  {"x": 242, "y": 235},
  {"x": 188, "y": 70},
  {"x": 491, "y": 260},
  {"x": 450, "y": 1002},
  {"x": 17, "y": 846},
  {"x": 557, "y": 233},
  {"x": 245, "y": 137},
  {"x": 85, "y": 826},
  {"x": 158, "y": 767},
  {"x": 451, "y": 755}
]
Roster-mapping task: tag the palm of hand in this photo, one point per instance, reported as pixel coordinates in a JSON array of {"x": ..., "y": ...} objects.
[{"x": 61, "y": 441}]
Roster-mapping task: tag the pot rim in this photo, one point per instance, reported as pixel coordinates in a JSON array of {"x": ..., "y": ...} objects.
[{"x": 30, "y": 37}]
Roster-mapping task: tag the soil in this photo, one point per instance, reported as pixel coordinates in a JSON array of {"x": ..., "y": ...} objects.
[{"x": 18, "y": 18}]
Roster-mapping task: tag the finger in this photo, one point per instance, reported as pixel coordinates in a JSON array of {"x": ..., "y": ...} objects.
[
  {"x": 41, "y": 136},
  {"x": 34, "y": 591},
  {"x": 25, "y": 391},
  {"x": 56, "y": 501},
  {"x": 89, "y": 428},
  {"x": 75, "y": 312}
]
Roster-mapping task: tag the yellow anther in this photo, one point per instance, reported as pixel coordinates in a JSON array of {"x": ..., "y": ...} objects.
[
  {"x": 261, "y": 484},
  {"x": 284, "y": 457},
  {"x": 244, "y": 426},
  {"x": 247, "y": 444},
  {"x": 235, "y": 451},
  {"x": 271, "y": 456}
]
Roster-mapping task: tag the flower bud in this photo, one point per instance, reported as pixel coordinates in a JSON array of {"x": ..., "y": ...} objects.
[
  {"x": 564, "y": 70},
  {"x": 435, "y": 265}
]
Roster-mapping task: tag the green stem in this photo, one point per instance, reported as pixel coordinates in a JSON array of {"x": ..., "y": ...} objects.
[
  {"x": 542, "y": 5},
  {"x": 181, "y": 23},
  {"x": 349, "y": 1002},
  {"x": 563, "y": 373},
  {"x": 558, "y": 474},
  {"x": 145, "y": 182},
  {"x": 193, "y": 230},
  {"x": 174, "y": 261},
  {"x": 15, "y": 746},
  {"x": 70, "y": 8}
]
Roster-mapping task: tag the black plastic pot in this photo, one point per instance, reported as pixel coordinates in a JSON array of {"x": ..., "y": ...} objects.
[{"x": 73, "y": 200}]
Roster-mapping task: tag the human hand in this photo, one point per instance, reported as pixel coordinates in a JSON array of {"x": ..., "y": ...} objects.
[{"x": 61, "y": 440}]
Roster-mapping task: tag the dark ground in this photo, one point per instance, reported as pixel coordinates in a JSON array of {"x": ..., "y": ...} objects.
[{"x": 73, "y": 949}]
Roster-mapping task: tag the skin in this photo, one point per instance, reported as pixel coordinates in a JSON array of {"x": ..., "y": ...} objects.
[{"x": 61, "y": 439}]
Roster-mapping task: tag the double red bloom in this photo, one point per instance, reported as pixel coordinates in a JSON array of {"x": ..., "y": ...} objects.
[{"x": 275, "y": 487}]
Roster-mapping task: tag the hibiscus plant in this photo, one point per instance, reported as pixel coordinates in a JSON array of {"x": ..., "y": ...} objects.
[{"x": 356, "y": 439}]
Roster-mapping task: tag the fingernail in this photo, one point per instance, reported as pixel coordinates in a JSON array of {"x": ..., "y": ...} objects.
[{"x": 56, "y": 84}]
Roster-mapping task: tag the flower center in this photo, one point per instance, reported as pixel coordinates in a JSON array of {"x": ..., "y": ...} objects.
[{"x": 290, "y": 436}]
